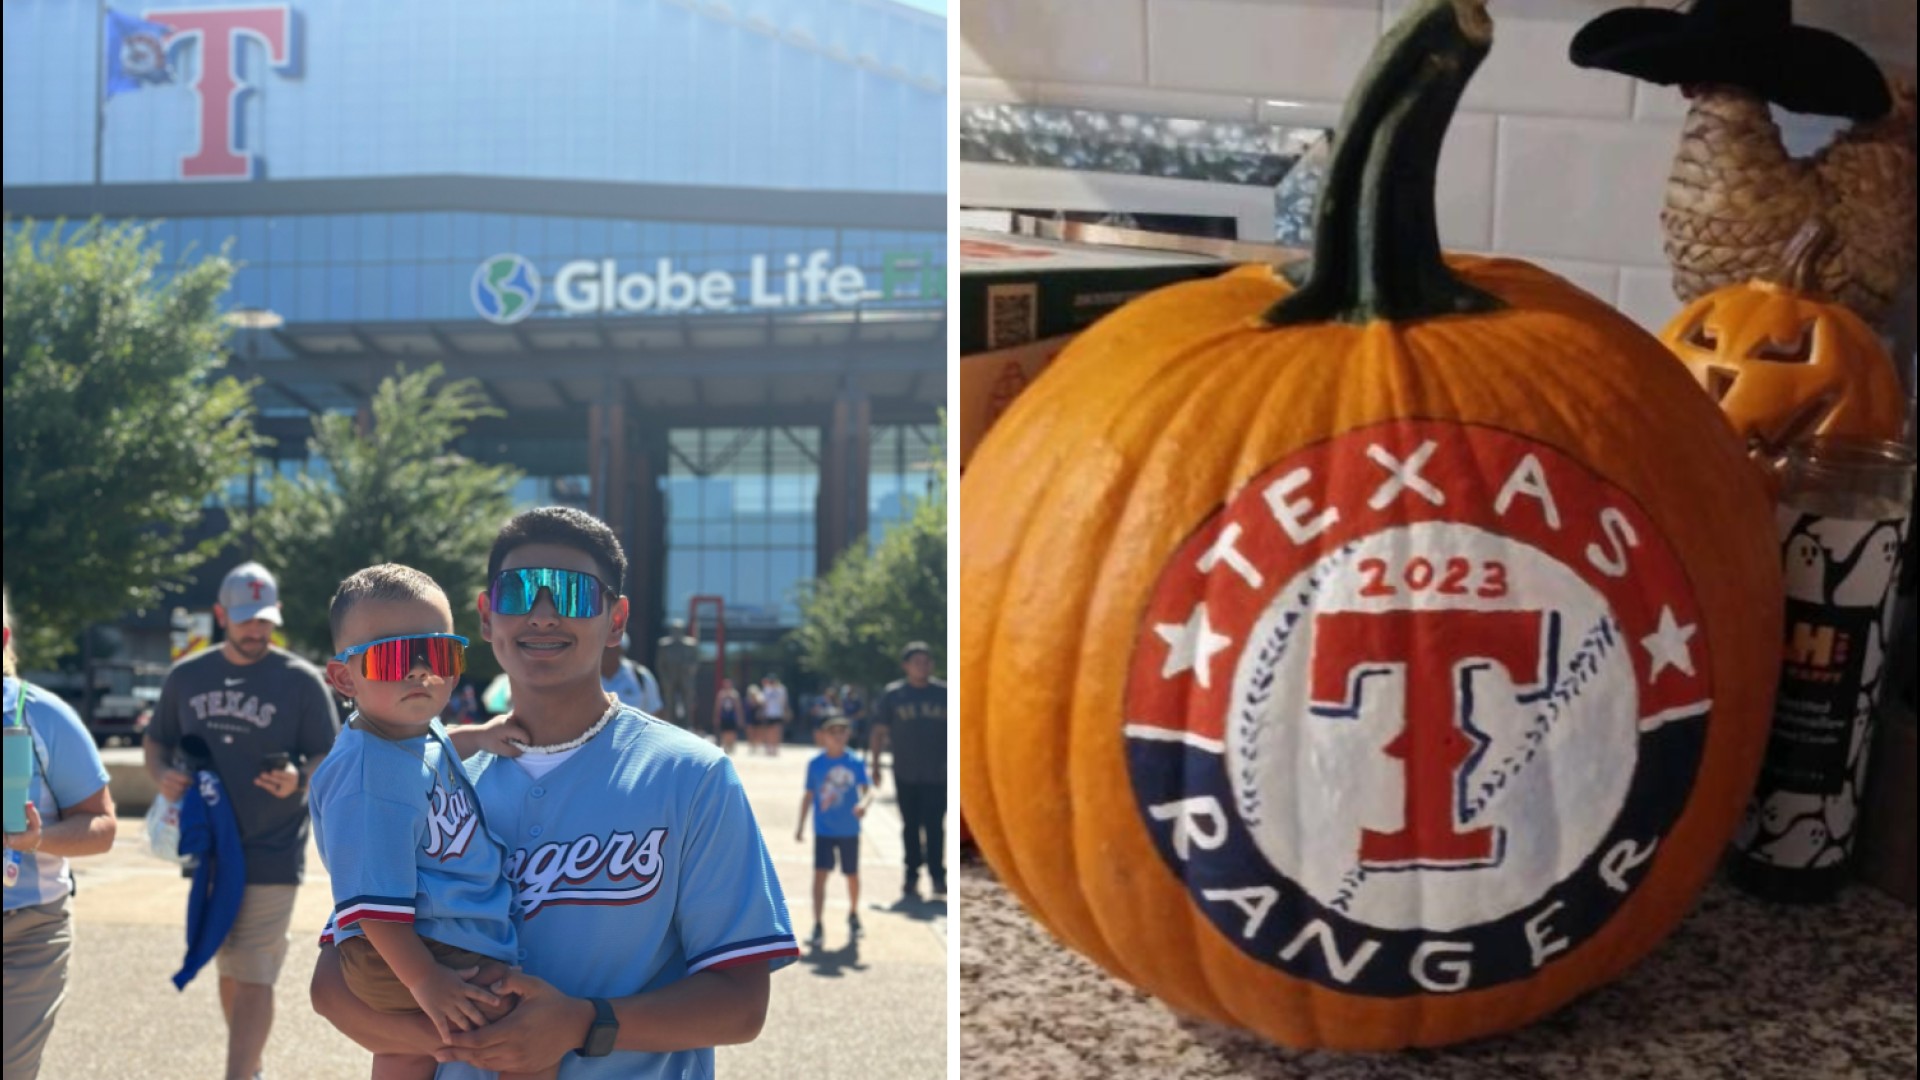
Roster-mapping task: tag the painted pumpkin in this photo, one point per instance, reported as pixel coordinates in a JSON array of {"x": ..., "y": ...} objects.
[
  {"x": 1382, "y": 663},
  {"x": 1785, "y": 362}
]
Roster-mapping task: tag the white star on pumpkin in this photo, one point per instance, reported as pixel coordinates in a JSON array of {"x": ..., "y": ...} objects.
[
  {"x": 1667, "y": 646},
  {"x": 1191, "y": 645}
]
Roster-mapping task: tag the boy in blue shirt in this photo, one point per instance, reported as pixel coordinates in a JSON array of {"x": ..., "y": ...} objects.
[
  {"x": 837, "y": 792},
  {"x": 418, "y": 884}
]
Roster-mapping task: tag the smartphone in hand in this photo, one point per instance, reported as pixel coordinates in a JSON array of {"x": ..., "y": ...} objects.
[{"x": 275, "y": 762}]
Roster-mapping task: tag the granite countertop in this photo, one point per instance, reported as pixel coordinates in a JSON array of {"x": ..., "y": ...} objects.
[{"x": 1742, "y": 991}]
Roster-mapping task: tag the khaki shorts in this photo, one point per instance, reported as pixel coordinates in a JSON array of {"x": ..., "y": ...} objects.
[
  {"x": 257, "y": 945},
  {"x": 373, "y": 982},
  {"x": 39, "y": 940}
]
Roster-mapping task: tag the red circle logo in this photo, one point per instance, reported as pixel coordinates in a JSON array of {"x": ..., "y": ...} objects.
[{"x": 1413, "y": 710}]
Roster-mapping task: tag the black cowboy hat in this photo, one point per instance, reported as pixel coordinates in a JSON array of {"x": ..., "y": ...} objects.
[{"x": 1747, "y": 43}]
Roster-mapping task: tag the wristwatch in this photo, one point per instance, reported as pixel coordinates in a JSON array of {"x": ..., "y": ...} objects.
[{"x": 600, "y": 1036}]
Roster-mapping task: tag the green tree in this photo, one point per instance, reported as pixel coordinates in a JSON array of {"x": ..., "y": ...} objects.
[
  {"x": 395, "y": 492},
  {"x": 118, "y": 424},
  {"x": 854, "y": 618}
]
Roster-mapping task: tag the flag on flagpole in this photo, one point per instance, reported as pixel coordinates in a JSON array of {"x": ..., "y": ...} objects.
[{"x": 136, "y": 53}]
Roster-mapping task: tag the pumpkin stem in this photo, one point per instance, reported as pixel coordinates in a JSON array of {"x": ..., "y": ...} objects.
[
  {"x": 1799, "y": 268},
  {"x": 1376, "y": 244}
]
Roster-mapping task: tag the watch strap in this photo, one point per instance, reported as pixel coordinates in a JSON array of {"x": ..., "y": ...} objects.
[{"x": 603, "y": 1030}]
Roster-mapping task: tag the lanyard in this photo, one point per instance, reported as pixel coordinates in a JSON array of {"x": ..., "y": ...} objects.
[
  {"x": 368, "y": 726},
  {"x": 15, "y": 859},
  {"x": 455, "y": 771}
]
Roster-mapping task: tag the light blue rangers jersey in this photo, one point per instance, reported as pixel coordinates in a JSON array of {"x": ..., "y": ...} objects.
[
  {"x": 637, "y": 862},
  {"x": 398, "y": 830}
]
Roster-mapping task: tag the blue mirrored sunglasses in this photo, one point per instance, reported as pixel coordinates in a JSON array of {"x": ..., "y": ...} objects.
[
  {"x": 392, "y": 659},
  {"x": 576, "y": 594}
]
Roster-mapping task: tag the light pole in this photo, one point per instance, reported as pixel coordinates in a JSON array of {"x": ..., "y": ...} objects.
[{"x": 255, "y": 321}]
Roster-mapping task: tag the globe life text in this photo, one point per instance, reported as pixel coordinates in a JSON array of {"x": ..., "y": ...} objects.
[{"x": 588, "y": 286}]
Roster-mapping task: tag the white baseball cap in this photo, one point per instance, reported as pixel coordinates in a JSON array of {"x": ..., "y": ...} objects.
[{"x": 249, "y": 592}]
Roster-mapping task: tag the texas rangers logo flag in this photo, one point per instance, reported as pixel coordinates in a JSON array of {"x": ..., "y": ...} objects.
[{"x": 136, "y": 53}]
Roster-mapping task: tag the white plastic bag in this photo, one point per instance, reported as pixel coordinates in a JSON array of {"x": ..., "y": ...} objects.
[{"x": 163, "y": 830}]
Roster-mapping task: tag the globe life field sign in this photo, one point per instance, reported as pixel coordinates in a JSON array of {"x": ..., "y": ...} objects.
[{"x": 506, "y": 288}]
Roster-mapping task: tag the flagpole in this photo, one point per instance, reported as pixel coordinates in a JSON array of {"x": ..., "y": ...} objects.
[{"x": 99, "y": 87}]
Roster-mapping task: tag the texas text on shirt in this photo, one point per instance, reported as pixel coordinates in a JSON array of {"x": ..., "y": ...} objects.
[{"x": 245, "y": 712}]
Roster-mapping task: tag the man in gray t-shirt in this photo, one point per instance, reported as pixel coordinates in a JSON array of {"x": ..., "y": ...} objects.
[
  {"x": 267, "y": 719},
  {"x": 912, "y": 719},
  {"x": 247, "y": 713}
]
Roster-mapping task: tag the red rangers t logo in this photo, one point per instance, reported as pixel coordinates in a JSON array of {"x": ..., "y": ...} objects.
[
  {"x": 220, "y": 86},
  {"x": 1412, "y": 711}
]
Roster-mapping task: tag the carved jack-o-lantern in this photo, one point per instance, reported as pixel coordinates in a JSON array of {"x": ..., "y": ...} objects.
[{"x": 1784, "y": 362}]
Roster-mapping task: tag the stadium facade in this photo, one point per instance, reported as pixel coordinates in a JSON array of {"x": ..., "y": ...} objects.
[{"x": 695, "y": 251}]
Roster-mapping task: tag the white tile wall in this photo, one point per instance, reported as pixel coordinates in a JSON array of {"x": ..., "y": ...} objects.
[
  {"x": 1464, "y": 201},
  {"x": 1646, "y": 295},
  {"x": 1546, "y": 161},
  {"x": 1520, "y": 75},
  {"x": 1597, "y": 278},
  {"x": 1581, "y": 188},
  {"x": 1884, "y": 28},
  {"x": 987, "y": 90},
  {"x": 1082, "y": 41},
  {"x": 1309, "y": 49}
]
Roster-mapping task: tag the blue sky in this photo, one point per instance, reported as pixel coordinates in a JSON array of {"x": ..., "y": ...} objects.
[{"x": 938, "y": 7}]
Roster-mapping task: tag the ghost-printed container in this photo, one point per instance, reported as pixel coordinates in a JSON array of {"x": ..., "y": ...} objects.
[{"x": 1845, "y": 507}]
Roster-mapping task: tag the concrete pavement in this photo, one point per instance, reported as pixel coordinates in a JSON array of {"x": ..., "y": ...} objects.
[
  {"x": 876, "y": 1012},
  {"x": 867, "y": 1014}
]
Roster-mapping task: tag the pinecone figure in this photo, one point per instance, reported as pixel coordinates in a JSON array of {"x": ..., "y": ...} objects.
[{"x": 1736, "y": 197}]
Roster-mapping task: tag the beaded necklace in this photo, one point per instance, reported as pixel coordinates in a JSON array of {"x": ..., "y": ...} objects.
[{"x": 613, "y": 706}]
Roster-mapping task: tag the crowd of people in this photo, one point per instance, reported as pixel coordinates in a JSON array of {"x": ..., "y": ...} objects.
[
  {"x": 764, "y": 714},
  {"x": 446, "y": 824}
]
